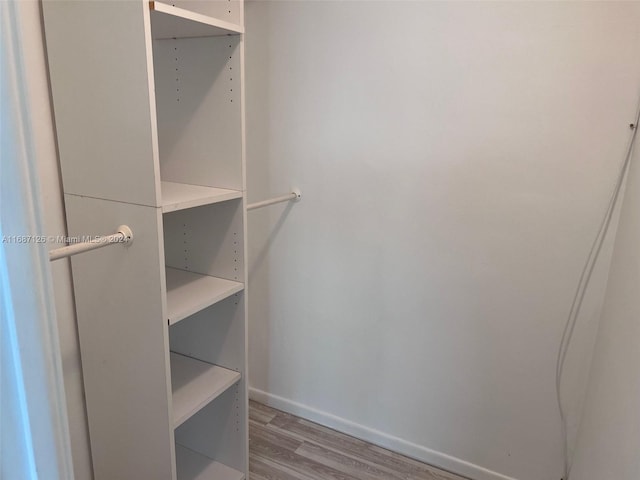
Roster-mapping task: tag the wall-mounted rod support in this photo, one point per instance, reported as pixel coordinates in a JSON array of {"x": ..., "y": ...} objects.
[
  {"x": 123, "y": 235},
  {"x": 295, "y": 195}
]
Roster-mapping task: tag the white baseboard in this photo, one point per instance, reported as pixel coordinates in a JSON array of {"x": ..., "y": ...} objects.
[{"x": 418, "y": 452}]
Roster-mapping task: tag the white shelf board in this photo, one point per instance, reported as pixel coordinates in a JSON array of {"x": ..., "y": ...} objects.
[
  {"x": 194, "y": 384},
  {"x": 193, "y": 466},
  {"x": 188, "y": 292},
  {"x": 172, "y": 22},
  {"x": 178, "y": 196}
]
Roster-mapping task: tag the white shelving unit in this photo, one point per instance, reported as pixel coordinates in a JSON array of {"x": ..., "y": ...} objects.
[{"x": 148, "y": 101}]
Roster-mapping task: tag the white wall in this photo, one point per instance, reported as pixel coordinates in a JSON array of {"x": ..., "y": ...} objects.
[
  {"x": 609, "y": 439},
  {"x": 54, "y": 224},
  {"x": 455, "y": 161}
]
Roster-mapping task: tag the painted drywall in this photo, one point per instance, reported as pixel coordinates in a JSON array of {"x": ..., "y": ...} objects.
[
  {"x": 51, "y": 199},
  {"x": 609, "y": 439},
  {"x": 455, "y": 160}
]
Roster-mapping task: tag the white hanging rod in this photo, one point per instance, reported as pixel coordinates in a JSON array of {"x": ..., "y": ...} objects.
[
  {"x": 295, "y": 195},
  {"x": 123, "y": 235}
]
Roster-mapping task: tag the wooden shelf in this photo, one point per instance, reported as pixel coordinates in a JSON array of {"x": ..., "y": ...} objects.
[
  {"x": 178, "y": 196},
  {"x": 188, "y": 292},
  {"x": 194, "y": 384},
  {"x": 173, "y": 22},
  {"x": 194, "y": 466}
]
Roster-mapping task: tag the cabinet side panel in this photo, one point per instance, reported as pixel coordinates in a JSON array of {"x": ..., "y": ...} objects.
[
  {"x": 123, "y": 341},
  {"x": 199, "y": 110},
  {"x": 99, "y": 55}
]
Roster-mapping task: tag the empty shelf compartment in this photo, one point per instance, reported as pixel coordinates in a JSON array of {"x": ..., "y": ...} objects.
[
  {"x": 195, "y": 383},
  {"x": 194, "y": 466},
  {"x": 188, "y": 292}
]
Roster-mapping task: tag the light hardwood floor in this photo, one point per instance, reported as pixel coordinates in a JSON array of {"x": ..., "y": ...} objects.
[{"x": 285, "y": 447}]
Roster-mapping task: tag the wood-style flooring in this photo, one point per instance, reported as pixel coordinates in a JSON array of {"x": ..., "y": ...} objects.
[{"x": 285, "y": 447}]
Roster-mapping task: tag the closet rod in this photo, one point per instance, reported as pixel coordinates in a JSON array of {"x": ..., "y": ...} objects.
[
  {"x": 123, "y": 235},
  {"x": 295, "y": 195}
]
